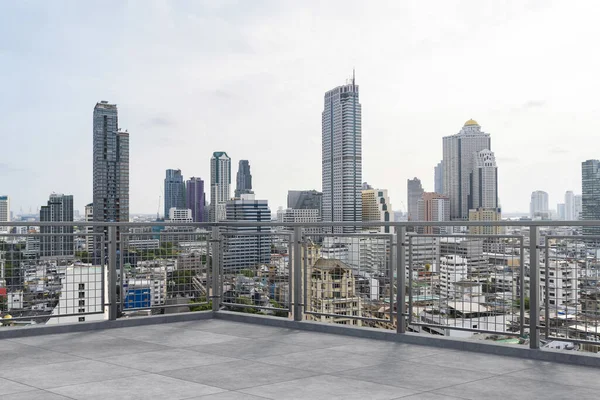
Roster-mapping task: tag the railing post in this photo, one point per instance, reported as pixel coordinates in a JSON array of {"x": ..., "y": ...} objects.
[
  {"x": 534, "y": 288},
  {"x": 400, "y": 278},
  {"x": 112, "y": 272},
  {"x": 297, "y": 273},
  {"x": 217, "y": 287}
]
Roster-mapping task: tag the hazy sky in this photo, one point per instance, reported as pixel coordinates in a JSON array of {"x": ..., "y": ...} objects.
[{"x": 248, "y": 78}]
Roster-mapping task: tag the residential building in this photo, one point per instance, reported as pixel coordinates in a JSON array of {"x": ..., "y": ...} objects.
[
  {"x": 61, "y": 243},
  {"x": 180, "y": 215},
  {"x": 561, "y": 211},
  {"x": 485, "y": 215},
  {"x": 82, "y": 287},
  {"x": 376, "y": 207},
  {"x": 484, "y": 193},
  {"x": 563, "y": 284},
  {"x": 246, "y": 246},
  {"x": 332, "y": 290},
  {"x": 174, "y": 190},
  {"x": 459, "y": 162},
  {"x": 195, "y": 198},
  {"x": 415, "y": 192},
  {"x": 342, "y": 156},
  {"x": 89, "y": 217},
  {"x": 220, "y": 185},
  {"x": 471, "y": 249},
  {"x": 438, "y": 178},
  {"x": 569, "y": 206},
  {"x": 453, "y": 269},
  {"x": 538, "y": 207},
  {"x": 243, "y": 179},
  {"x": 301, "y": 215},
  {"x": 577, "y": 206},
  {"x": 4, "y": 213},
  {"x": 110, "y": 172},
  {"x": 590, "y": 201},
  {"x": 434, "y": 207}
]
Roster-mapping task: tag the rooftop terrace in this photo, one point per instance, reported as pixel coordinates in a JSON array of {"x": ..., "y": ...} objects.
[{"x": 222, "y": 359}]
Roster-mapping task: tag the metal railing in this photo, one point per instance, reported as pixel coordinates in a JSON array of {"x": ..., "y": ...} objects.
[{"x": 536, "y": 283}]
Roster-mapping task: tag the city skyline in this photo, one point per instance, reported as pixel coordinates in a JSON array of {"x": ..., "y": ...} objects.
[{"x": 409, "y": 99}]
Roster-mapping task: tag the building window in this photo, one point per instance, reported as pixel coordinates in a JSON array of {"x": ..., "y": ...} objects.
[
  {"x": 81, "y": 310},
  {"x": 82, "y": 286},
  {"x": 81, "y": 319},
  {"x": 81, "y": 303}
]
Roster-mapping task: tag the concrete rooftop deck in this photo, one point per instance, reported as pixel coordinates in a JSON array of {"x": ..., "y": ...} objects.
[{"x": 219, "y": 360}]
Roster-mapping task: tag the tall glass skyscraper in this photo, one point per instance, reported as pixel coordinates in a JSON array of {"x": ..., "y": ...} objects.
[
  {"x": 61, "y": 243},
  {"x": 342, "y": 156},
  {"x": 111, "y": 169},
  {"x": 174, "y": 190},
  {"x": 195, "y": 198},
  {"x": 220, "y": 185},
  {"x": 243, "y": 179},
  {"x": 590, "y": 188}
]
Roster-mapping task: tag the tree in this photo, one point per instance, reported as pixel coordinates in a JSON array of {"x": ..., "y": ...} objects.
[{"x": 518, "y": 303}]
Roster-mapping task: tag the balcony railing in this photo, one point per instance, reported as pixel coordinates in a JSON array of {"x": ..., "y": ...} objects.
[{"x": 457, "y": 284}]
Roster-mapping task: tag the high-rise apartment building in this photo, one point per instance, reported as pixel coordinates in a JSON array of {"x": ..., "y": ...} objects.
[
  {"x": 220, "y": 185},
  {"x": 485, "y": 215},
  {"x": 60, "y": 243},
  {"x": 538, "y": 207},
  {"x": 174, "y": 190},
  {"x": 433, "y": 207},
  {"x": 459, "y": 161},
  {"x": 4, "y": 213},
  {"x": 415, "y": 191},
  {"x": 111, "y": 170},
  {"x": 243, "y": 180},
  {"x": 485, "y": 181},
  {"x": 195, "y": 198},
  {"x": 376, "y": 207},
  {"x": 342, "y": 156},
  {"x": 570, "y": 206},
  {"x": 438, "y": 178},
  {"x": 89, "y": 217},
  {"x": 247, "y": 246},
  {"x": 590, "y": 188}
]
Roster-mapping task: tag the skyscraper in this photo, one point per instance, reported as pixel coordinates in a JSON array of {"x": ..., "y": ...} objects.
[
  {"x": 577, "y": 206},
  {"x": 590, "y": 188},
  {"x": 569, "y": 206},
  {"x": 305, "y": 200},
  {"x": 111, "y": 169},
  {"x": 414, "y": 191},
  {"x": 4, "y": 213},
  {"x": 243, "y": 179},
  {"x": 342, "y": 156},
  {"x": 484, "y": 186},
  {"x": 460, "y": 157},
  {"x": 195, "y": 199},
  {"x": 89, "y": 217},
  {"x": 438, "y": 178},
  {"x": 220, "y": 185},
  {"x": 174, "y": 190},
  {"x": 376, "y": 207},
  {"x": 538, "y": 207},
  {"x": 60, "y": 243}
]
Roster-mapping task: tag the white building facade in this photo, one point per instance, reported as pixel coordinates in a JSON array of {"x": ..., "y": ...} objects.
[{"x": 220, "y": 185}]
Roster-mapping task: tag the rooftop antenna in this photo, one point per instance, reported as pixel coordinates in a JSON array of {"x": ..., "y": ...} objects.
[{"x": 353, "y": 76}]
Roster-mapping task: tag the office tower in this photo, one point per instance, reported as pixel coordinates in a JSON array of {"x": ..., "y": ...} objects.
[
  {"x": 538, "y": 207},
  {"x": 220, "y": 185},
  {"x": 4, "y": 213},
  {"x": 460, "y": 157},
  {"x": 561, "y": 212},
  {"x": 577, "y": 206},
  {"x": 342, "y": 156},
  {"x": 590, "y": 197},
  {"x": 376, "y": 207},
  {"x": 89, "y": 217},
  {"x": 195, "y": 198},
  {"x": 485, "y": 215},
  {"x": 485, "y": 181},
  {"x": 247, "y": 246},
  {"x": 243, "y": 179},
  {"x": 111, "y": 171},
  {"x": 434, "y": 207},
  {"x": 305, "y": 200},
  {"x": 174, "y": 190},
  {"x": 569, "y": 206},
  {"x": 60, "y": 243},
  {"x": 438, "y": 178},
  {"x": 414, "y": 189}
]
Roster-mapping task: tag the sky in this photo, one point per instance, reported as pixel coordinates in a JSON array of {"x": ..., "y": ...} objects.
[{"x": 248, "y": 78}]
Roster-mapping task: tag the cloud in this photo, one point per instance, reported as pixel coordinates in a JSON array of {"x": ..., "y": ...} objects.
[
  {"x": 507, "y": 160},
  {"x": 159, "y": 122},
  {"x": 558, "y": 150},
  {"x": 6, "y": 168},
  {"x": 529, "y": 105}
]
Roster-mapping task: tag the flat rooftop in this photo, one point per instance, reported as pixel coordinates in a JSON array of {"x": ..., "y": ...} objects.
[{"x": 219, "y": 360}]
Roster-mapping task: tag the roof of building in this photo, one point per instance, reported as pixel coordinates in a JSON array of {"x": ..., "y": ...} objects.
[
  {"x": 471, "y": 122},
  {"x": 329, "y": 263},
  {"x": 467, "y": 307}
]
